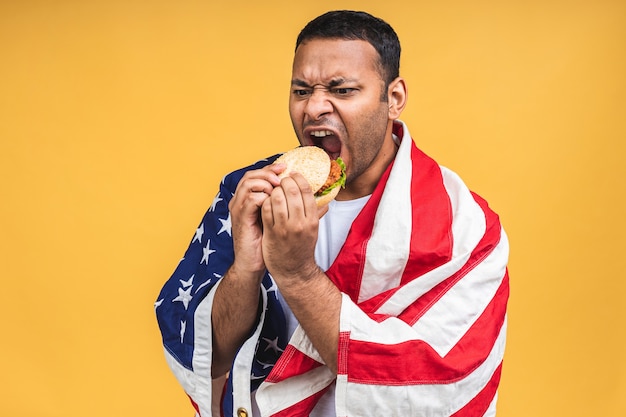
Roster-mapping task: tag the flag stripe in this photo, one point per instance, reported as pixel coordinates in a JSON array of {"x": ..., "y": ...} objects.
[
  {"x": 456, "y": 310},
  {"x": 435, "y": 400},
  {"x": 274, "y": 397},
  {"x": 429, "y": 201},
  {"x": 389, "y": 244},
  {"x": 350, "y": 263},
  {"x": 415, "y": 361},
  {"x": 483, "y": 403}
]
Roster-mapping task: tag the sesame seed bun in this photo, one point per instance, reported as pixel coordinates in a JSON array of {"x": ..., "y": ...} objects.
[{"x": 313, "y": 164}]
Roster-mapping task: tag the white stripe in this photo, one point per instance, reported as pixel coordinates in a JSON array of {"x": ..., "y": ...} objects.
[
  {"x": 433, "y": 400},
  {"x": 242, "y": 367},
  {"x": 202, "y": 348},
  {"x": 468, "y": 218},
  {"x": 414, "y": 289},
  {"x": 362, "y": 327},
  {"x": 341, "y": 395},
  {"x": 274, "y": 397},
  {"x": 302, "y": 342},
  {"x": 445, "y": 323},
  {"x": 198, "y": 383},
  {"x": 186, "y": 378},
  {"x": 388, "y": 248}
]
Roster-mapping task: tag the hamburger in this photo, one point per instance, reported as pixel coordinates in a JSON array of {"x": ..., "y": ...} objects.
[{"x": 325, "y": 176}]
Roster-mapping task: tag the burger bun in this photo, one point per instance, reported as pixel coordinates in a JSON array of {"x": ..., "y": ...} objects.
[{"x": 313, "y": 164}]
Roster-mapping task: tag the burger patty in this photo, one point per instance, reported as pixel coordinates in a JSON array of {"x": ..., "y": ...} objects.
[{"x": 333, "y": 176}]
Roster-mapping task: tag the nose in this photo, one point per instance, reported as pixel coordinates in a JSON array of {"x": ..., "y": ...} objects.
[{"x": 318, "y": 104}]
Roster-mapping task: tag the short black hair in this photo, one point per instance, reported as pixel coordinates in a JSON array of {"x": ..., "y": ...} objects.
[{"x": 358, "y": 25}]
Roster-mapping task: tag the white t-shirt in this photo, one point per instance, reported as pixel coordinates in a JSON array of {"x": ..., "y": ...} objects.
[{"x": 333, "y": 230}]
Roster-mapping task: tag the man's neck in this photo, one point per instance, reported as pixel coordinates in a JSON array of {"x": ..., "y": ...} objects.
[{"x": 365, "y": 184}]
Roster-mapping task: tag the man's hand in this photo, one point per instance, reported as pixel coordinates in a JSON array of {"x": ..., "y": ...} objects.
[
  {"x": 253, "y": 189},
  {"x": 290, "y": 221},
  {"x": 235, "y": 307},
  {"x": 290, "y": 225}
]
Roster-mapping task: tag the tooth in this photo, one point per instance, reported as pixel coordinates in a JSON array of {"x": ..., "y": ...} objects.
[{"x": 322, "y": 133}]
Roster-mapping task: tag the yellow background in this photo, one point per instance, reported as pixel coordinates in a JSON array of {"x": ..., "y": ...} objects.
[{"x": 118, "y": 118}]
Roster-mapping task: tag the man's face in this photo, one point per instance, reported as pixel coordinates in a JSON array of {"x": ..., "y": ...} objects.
[{"x": 335, "y": 103}]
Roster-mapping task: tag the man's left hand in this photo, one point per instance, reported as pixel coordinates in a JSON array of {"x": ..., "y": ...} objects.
[{"x": 290, "y": 224}]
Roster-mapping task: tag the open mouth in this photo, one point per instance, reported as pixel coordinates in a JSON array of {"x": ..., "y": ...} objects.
[{"x": 327, "y": 140}]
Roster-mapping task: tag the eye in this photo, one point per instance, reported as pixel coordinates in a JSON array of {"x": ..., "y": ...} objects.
[
  {"x": 343, "y": 91},
  {"x": 301, "y": 92}
]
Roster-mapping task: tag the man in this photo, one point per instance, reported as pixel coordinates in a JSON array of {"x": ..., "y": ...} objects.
[{"x": 390, "y": 301}]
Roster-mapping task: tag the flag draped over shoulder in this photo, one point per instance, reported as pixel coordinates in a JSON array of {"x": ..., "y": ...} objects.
[{"x": 423, "y": 317}]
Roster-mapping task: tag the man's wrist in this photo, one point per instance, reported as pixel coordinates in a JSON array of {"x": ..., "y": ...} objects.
[
  {"x": 304, "y": 281},
  {"x": 243, "y": 274}
]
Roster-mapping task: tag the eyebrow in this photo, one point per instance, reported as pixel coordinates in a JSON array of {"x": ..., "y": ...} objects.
[
  {"x": 332, "y": 83},
  {"x": 299, "y": 83}
]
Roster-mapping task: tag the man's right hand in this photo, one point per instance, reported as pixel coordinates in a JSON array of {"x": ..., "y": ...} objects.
[
  {"x": 235, "y": 306},
  {"x": 253, "y": 189}
]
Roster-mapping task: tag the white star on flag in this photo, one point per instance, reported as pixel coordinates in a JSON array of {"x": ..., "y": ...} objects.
[
  {"x": 273, "y": 344},
  {"x": 265, "y": 364},
  {"x": 184, "y": 296},
  {"x": 199, "y": 233},
  {"x": 226, "y": 225},
  {"x": 216, "y": 200},
  {"x": 206, "y": 252},
  {"x": 187, "y": 283}
]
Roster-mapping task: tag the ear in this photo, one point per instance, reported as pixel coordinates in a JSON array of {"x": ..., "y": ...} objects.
[{"x": 397, "y": 95}]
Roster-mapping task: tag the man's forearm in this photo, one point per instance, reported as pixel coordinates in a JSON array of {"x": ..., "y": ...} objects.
[
  {"x": 316, "y": 303},
  {"x": 234, "y": 313}
]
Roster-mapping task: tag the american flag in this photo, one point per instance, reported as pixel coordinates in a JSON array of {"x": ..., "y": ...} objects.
[{"x": 423, "y": 317}]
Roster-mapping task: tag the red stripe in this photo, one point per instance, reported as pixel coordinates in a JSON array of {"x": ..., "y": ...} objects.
[
  {"x": 302, "y": 408},
  {"x": 416, "y": 362},
  {"x": 291, "y": 362},
  {"x": 431, "y": 233},
  {"x": 347, "y": 270},
  {"x": 342, "y": 352},
  {"x": 480, "y": 403},
  {"x": 195, "y": 406}
]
